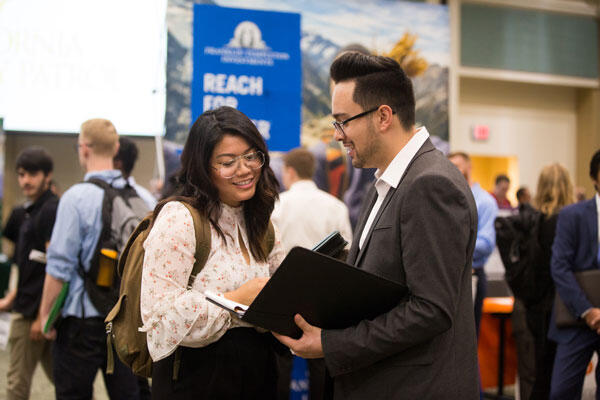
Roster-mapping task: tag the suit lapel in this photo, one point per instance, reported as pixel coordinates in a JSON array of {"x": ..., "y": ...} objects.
[
  {"x": 592, "y": 222},
  {"x": 386, "y": 201},
  {"x": 362, "y": 220}
]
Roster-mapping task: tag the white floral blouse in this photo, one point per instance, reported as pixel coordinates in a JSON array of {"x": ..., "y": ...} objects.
[{"x": 173, "y": 315}]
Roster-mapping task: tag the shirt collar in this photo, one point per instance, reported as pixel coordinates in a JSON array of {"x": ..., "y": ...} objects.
[
  {"x": 40, "y": 200},
  {"x": 303, "y": 184},
  {"x": 393, "y": 173},
  {"x": 108, "y": 174}
]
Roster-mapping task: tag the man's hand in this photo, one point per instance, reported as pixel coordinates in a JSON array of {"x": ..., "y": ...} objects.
[
  {"x": 35, "y": 332},
  {"x": 592, "y": 319},
  {"x": 309, "y": 345},
  {"x": 246, "y": 293}
]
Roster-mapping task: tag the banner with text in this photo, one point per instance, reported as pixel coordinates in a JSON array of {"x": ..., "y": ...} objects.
[{"x": 250, "y": 60}]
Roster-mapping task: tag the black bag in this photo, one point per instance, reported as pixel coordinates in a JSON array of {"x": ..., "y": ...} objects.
[
  {"x": 517, "y": 237},
  {"x": 122, "y": 210}
]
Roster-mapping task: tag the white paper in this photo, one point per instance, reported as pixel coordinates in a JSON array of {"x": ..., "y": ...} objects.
[
  {"x": 4, "y": 329},
  {"x": 36, "y": 255},
  {"x": 229, "y": 305}
]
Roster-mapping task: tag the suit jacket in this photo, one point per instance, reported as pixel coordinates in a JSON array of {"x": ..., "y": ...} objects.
[
  {"x": 575, "y": 248},
  {"x": 423, "y": 236}
]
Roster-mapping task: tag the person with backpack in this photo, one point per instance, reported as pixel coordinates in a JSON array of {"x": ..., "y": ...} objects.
[
  {"x": 225, "y": 177},
  {"x": 80, "y": 346}
]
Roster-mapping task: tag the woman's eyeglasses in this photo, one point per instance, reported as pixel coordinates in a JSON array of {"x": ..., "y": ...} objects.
[{"x": 228, "y": 168}]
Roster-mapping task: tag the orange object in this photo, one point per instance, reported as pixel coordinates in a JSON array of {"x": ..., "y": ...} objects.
[{"x": 495, "y": 308}]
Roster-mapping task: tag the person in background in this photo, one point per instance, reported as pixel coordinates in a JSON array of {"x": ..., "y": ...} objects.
[
  {"x": 29, "y": 227},
  {"x": 124, "y": 161},
  {"x": 418, "y": 228},
  {"x": 225, "y": 175},
  {"x": 301, "y": 228},
  {"x": 327, "y": 213},
  {"x": 487, "y": 211},
  {"x": 523, "y": 197},
  {"x": 501, "y": 186},
  {"x": 580, "y": 193},
  {"x": 80, "y": 350},
  {"x": 576, "y": 248},
  {"x": 554, "y": 191}
]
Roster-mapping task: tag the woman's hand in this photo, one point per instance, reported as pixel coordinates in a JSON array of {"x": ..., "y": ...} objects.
[{"x": 246, "y": 293}]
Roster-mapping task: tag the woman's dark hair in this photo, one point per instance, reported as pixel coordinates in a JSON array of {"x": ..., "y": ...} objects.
[{"x": 194, "y": 183}]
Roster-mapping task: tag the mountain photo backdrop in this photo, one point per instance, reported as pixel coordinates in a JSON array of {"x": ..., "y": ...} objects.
[{"x": 417, "y": 35}]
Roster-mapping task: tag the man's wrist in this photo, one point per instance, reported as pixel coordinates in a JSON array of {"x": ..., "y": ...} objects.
[{"x": 586, "y": 312}]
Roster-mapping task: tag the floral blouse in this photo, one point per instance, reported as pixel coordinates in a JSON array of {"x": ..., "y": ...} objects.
[{"x": 173, "y": 315}]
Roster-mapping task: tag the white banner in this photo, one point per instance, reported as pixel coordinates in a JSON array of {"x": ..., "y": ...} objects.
[{"x": 65, "y": 61}]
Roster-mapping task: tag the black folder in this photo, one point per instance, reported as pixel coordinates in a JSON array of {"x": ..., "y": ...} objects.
[
  {"x": 589, "y": 280},
  {"x": 327, "y": 292}
]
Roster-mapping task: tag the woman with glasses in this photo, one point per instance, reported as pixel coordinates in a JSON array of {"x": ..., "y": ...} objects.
[{"x": 225, "y": 175}]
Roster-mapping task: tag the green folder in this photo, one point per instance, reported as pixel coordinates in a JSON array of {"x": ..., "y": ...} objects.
[{"x": 57, "y": 307}]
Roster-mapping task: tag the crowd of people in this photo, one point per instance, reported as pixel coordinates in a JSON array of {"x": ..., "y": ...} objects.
[{"x": 424, "y": 223}]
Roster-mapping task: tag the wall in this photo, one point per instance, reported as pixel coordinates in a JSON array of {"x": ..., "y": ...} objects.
[
  {"x": 588, "y": 135},
  {"x": 534, "y": 123},
  {"x": 66, "y": 163}
]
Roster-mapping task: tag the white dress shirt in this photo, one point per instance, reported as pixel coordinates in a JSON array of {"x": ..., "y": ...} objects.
[
  {"x": 305, "y": 214},
  {"x": 392, "y": 175}
]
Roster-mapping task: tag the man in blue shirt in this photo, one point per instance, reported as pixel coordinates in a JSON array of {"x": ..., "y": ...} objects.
[
  {"x": 80, "y": 347},
  {"x": 487, "y": 211}
]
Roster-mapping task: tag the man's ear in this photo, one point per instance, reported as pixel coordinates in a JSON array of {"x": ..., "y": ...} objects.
[
  {"x": 47, "y": 180},
  {"x": 385, "y": 116}
]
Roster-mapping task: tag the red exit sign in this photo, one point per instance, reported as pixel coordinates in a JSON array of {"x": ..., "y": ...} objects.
[{"x": 480, "y": 133}]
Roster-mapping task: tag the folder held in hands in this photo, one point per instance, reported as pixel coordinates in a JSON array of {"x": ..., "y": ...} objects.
[{"x": 327, "y": 292}]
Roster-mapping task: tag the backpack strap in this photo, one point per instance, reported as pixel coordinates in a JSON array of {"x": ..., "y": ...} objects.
[
  {"x": 269, "y": 240},
  {"x": 203, "y": 239}
]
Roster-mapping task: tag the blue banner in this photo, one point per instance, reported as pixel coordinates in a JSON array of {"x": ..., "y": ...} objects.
[{"x": 250, "y": 60}]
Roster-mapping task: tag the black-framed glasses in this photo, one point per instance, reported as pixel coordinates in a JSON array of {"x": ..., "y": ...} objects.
[
  {"x": 339, "y": 126},
  {"x": 228, "y": 167}
]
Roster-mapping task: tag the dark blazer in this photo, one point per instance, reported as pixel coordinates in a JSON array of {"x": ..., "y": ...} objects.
[
  {"x": 423, "y": 236},
  {"x": 575, "y": 248}
]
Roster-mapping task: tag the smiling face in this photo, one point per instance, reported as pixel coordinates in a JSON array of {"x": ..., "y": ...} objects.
[
  {"x": 242, "y": 185},
  {"x": 359, "y": 138}
]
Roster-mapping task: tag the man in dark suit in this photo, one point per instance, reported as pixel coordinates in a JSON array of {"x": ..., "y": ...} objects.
[
  {"x": 575, "y": 248},
  {"x": 418, "y": 227}
]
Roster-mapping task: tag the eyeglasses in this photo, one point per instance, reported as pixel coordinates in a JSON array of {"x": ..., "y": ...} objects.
[
  {"x": 339, "y": 126},
  {"x": 228, "y": 168}
]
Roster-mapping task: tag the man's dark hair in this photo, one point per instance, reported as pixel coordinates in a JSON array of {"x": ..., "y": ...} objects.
[
  {"x": 521, "y": 193},
  {"x": 502, "y": 178},
  {"x": 595, "y": 165},
  {"x": 34, "y": 159},
  {"x": 302, "y": 161},
  {"x": 379, "y": 80},
  {"x": 127, "y": 154}
]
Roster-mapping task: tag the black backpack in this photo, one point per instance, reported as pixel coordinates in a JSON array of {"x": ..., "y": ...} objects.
[
  {"x": 517, "y": 237},
  {"x": 122, "y": 211}
]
